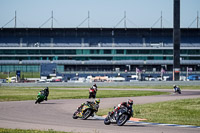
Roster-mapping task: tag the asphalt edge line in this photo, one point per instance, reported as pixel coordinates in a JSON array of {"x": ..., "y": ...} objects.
[{"x": 149, "y": 123}]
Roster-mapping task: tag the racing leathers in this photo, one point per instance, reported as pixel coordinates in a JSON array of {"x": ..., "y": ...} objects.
[
  {"x": 95, "y": 106},
  {"x": 123, "y": 104}
]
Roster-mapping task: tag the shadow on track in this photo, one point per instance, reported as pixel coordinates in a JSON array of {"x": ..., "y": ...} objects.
[
  {"x": 48, "y": 103},
  {"x": 134, "y": 125},
  {"x": 92, "y": 120}
]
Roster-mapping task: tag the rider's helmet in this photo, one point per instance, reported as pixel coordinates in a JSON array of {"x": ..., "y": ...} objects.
[
  {"x": 174, "y": 86},
  {"x": 95, "y": 85},
  {"x": 47, "y": 88},
  {"x": 130, "y": 102},
  {"x": 97, "y": 101}
]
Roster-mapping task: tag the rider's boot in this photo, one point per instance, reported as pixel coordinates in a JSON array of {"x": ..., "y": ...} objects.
[{"x": 92, "y": 115}]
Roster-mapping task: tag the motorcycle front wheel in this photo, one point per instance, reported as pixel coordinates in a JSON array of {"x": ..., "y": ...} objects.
[
  {"x": 107, "y": 121},
  {"x": 75, "y": 115},
  {"x": 122, "y": 119},
  {"x": 37, "y": 101}
]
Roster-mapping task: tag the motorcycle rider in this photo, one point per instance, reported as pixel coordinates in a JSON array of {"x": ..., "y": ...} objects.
[
  {"x": 94, "y": 88},
  {"x": 127, "y": 104},
  {"x": 45, "y": 92},
  {"x": 94, "y": 104},
  {"x": 175, "y": 88}
]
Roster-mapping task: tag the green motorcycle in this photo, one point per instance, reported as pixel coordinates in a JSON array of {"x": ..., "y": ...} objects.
[{"x": 42, "y": 95}]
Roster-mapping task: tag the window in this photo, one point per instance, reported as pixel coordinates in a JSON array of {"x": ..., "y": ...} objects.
[
  {"x": 107, "y": 51},
  {"x": 120, "y": 51},
  {"x": 132, "y": 52},
  {"x": 156, "y": 52}
]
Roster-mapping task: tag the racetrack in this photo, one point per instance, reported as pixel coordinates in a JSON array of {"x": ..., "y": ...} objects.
[{"x": 57, "y": 115}]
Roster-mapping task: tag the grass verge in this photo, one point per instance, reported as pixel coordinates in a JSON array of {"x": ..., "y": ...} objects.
[
  {"x": 183, "y": 112},
  {"x": 3, "y": 130},
  {"x": 30, "y": 94}
]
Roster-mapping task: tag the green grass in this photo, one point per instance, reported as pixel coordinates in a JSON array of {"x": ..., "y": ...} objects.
[
  {"x": 184, "y": 112},
  {"x": 30, "y": 94},
  {"x": 3, "y": 130}
]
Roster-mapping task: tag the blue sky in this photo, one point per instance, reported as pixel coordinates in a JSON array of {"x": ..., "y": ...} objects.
[{"x": 103, "y": 13}]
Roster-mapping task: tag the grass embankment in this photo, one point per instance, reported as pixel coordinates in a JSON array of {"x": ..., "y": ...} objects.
[
  {"x": 184, "y": 112},
  {"x": 30, "y": 94},
  {"x": 3, "y": 130}
]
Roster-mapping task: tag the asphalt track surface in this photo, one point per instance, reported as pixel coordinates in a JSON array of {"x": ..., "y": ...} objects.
[{"x": 57, "y": 115}]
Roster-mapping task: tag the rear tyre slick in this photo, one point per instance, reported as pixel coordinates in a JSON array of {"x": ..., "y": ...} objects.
[{"x": 87, "y": 113}]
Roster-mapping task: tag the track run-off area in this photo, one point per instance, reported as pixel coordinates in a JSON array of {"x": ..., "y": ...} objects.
[{"x": 57, "y": 115}]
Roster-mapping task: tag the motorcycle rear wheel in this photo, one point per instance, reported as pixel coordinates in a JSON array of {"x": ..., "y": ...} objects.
[
  {"x": 92, "y": 95},
  {"x": 87, "y": 113}
]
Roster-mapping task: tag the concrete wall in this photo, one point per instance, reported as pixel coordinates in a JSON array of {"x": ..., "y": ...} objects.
[{"x": 111, "y": 84}]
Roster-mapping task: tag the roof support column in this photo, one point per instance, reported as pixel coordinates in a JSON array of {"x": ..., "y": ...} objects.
[{"x": 176, "y": 41}]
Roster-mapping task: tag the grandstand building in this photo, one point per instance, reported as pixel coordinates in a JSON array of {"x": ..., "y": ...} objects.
[{"x": 96, "y": 49}]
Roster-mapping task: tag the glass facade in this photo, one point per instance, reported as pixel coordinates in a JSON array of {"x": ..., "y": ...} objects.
[
  {"x": 95, "y": 48},
  {"x": 22, "y": 68},
  {"x": 90, "y": 54}
]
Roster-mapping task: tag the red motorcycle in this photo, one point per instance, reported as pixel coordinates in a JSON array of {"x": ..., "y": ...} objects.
[{"x": 92, "y": 93}]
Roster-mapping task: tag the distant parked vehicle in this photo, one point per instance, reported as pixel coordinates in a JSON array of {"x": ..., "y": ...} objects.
[
  {"x": 182, "y": 78},
  {"x": 100, "y": 78},
  {"x": 133, "y": 78},
  {"x": 167, "y": 78},
  {"x": 159, "y": 78},
  {"x": 2, "y": 80},
  {"x": 41, "y": 81},
  {"x": 117, "y": 79},
  {"x": 149, "y": 78},
  {"x": 11, "y": 80},
  {"x": 77, "y": 79},
  {"x": 193, "y": 77},
  {"x": 152, "y": 79}
]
